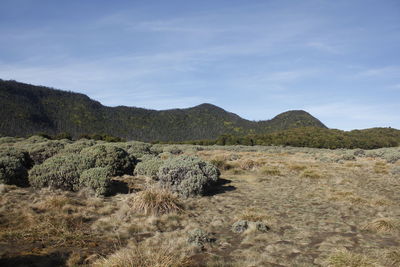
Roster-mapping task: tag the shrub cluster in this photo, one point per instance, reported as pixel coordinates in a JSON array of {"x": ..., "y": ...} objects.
[
  {"x": 187, "y": 176},
  {"x": 93, "y": 167},
  {"x": 105, "y": 155},
  {"x": 61, "y": 171},
  {"x": 78, "y": 146},
  {"x": 40, "y": 151}
]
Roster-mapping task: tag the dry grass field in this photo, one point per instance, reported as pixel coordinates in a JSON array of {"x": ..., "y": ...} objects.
[{"x": 271, "y": 207}]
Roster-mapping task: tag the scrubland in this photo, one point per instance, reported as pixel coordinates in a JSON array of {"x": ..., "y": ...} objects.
[{"x": 88, "y": 203}]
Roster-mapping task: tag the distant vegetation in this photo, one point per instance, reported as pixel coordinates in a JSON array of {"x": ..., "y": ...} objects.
[
  {"x": 28, "y": 109},
  {"x": 314, "y": 137}
]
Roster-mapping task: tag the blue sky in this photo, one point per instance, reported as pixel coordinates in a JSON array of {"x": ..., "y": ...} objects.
[{"x": 338, "y": 60}]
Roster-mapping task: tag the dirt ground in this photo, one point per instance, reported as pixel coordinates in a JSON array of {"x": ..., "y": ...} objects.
[{"x": 318, "y": 210}]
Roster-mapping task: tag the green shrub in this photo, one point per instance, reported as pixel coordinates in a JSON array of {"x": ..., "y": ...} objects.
[
  {"x": 148, "y": 166},
  {"x": 12, "y": 172},
  {"x": 14, "y": 165},
  {"x": 78, "y": 146},
  {"x": 106, "y": 155},
  {"x": 9, "y": 140},
  {"x": 36, "y": 139},
  {"x": 98, "y": 179},
  {"x": 174, "y": 150},
  {"x": 359, "y": 152},
  {"x": 138, "y": 149},
  {"x": 39, "y": 152},
  {"x": 61, "y": 171},
  {"x": 187, "y": 176},
  {"x": 157, "y": 149},
  {"x": 19, "y": 154}
]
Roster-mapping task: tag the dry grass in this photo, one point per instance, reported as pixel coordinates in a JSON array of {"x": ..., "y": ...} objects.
[
  {"x": 309, "y": 218},
  {"x": 254, "y": 215},
  {"x": 313, "y": 174},
  {"x": 346, "y": 258},
  {"x": 156, "y": 201},
  {"x": 270, "y": 170},
  {"x": 297, "y": 167},
  {"x": 381, "y": 168},
  {"x": 247, "y": 164},
  {"x": 392, "y": 257},
  {"x": 383, "y": 225},
  {"x": 144, "y": 256}
]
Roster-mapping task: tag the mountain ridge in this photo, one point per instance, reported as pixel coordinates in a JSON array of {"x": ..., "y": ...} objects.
[{"x": 27, "y": 109}]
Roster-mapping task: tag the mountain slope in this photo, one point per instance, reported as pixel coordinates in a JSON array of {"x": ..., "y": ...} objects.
[{"x": 27, "y": 109}]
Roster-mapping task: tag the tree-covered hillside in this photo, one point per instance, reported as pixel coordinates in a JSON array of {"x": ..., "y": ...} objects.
[{"x": 27, "y": 109}]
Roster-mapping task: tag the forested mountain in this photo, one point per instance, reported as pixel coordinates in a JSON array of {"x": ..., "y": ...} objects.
[{"x": 27, "y": 109}]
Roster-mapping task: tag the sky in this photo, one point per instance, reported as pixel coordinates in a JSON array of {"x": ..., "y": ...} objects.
[{"x": 339, "y": 60}]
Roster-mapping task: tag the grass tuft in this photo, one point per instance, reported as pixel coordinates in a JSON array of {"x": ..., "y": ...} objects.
[
  {"x": 346, "y": 258},
  {"x": 144, "y": 256},
  {"x": 156, "y": 201},
  {"x": 382, "y": 225}
]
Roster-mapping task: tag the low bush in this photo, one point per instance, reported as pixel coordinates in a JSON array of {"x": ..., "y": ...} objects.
[
  {"x": 108, "y": 155},
  {"x": 174, "y": 150},
  {"x": 359, "y": 152},
  {"x": 138, "y": 149},
  {"x": 148, "y": 166},
  {"x": 14, "y": 165},
  {"x": 9, "y": 140},
  {"x": 98, "y": 179},
  {"x": 199, "y": 238},
  {"x": 40, "y": 151},
  {"x": 12, "y": 172},
  {"x": 61, "y": 171},
  {"x": 22, "y": 155},
  {"x": 78, "y": 146},
  {"x": 240, "y": 226},
  {"x": 187, "y": 176}
]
